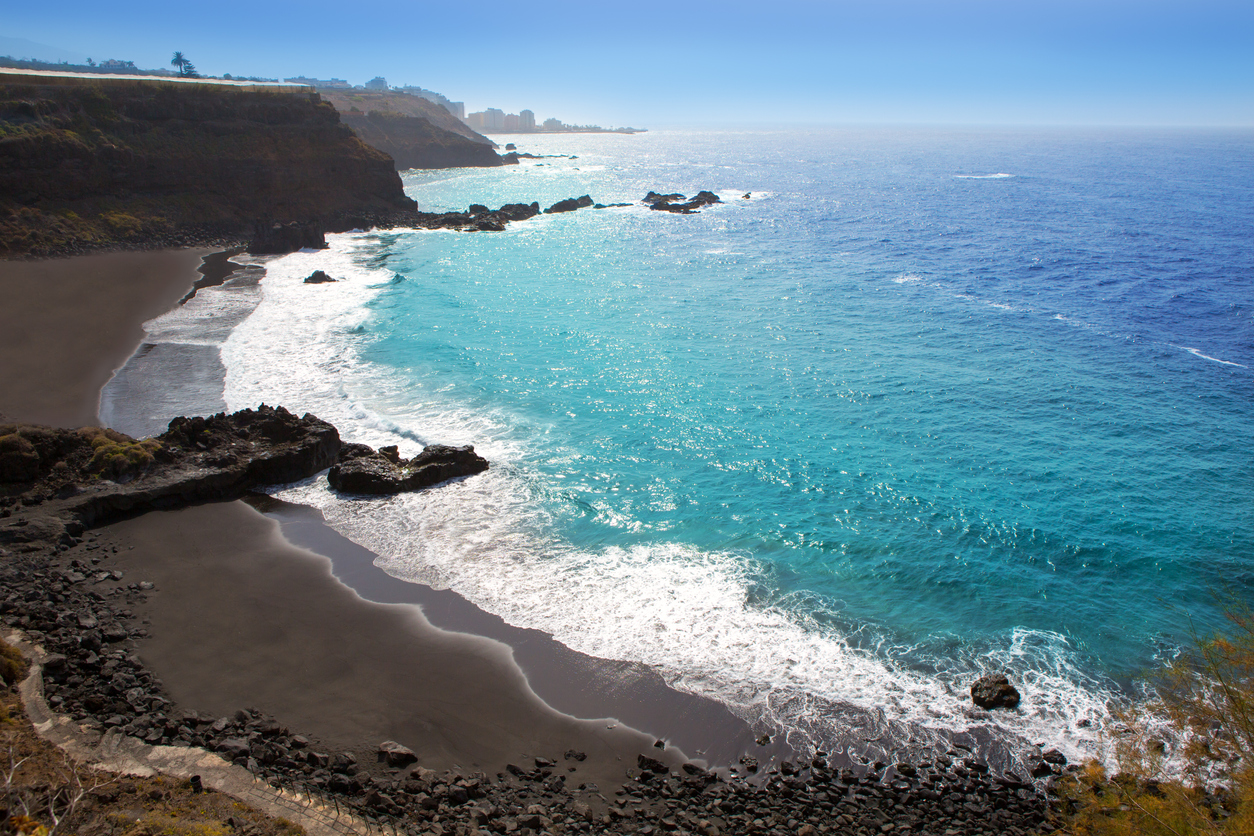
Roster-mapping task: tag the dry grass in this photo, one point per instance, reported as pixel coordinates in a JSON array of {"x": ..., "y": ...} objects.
[
  {"x": 43, "y": 793},
  {"x": 1199, "y": 777}
]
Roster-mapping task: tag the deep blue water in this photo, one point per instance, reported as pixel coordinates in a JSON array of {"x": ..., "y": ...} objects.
[{"x": 926, "y": 403}]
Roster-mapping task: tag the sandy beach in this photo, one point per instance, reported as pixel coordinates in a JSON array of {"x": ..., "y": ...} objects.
[
  {"x": 243, "y": 617},
  {"x": 68, "y": 323}
]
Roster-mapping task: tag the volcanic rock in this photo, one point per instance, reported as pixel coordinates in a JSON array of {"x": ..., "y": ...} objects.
[
  {"x": 994, "y": 691},
  {"x": 364, "y": 471},
  {"x": 394, "y": 754},
  {"x": 318, "y": 277},
  {"x": 570, "y": 204},
  {"x": 670, "y": 202}
]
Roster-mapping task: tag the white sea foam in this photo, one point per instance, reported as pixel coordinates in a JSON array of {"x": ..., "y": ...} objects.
[
  {"x": 1196, "y": 353},
  {"x": 686, "y": 611}
]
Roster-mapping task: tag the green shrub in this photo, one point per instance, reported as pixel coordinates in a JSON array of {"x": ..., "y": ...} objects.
[{"x": 116, "y": 455}]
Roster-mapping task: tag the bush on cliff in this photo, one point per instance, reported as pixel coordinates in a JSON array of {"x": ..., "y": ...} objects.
[
  {"x": 1202, "y": 784},
  {"x": 12, "y": 665},
  {"x": 118, "y": 456}
]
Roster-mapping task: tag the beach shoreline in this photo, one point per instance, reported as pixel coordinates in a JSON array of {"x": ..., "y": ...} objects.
[
  {"x": 69, "y": 323},
  {"x": 276, "y": 614},
  {"x": 92, "y": 286}
]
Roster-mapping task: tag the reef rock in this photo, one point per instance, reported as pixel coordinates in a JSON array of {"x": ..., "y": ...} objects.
[
  {"x": 671, "y": 202},
  {"x": 365, "y": 471},
  {"x": 570, "y": 204},
  {"x": 994, "y": 691}
]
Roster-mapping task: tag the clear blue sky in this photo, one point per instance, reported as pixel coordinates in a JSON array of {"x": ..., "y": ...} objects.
[{"x": 652, "y": 63}]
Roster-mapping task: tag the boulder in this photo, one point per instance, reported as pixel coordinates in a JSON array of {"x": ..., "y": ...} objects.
[
  {"x": 318, "y": 277},
  {"x": 396, "y": 755},
  {"x": 994, "y": 691},
  {"x": 279, "y": 238},
  {"x": 648, "y": 764},
  {"x": 376, "y": 474},
  {"x": 670, "y": 202}
]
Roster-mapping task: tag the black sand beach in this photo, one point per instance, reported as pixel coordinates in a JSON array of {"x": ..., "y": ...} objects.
[{"x": 284, "y": 616}]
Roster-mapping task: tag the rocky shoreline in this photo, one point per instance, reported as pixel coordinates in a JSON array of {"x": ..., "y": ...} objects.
[
  {"x": 62, "y": 592},
  {"x": 279, "y": 238},
  {"x": 79, "y": 611}
]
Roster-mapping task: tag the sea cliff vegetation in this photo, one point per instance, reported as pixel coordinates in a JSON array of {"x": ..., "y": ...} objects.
[{"x": 1184, "y": 760}]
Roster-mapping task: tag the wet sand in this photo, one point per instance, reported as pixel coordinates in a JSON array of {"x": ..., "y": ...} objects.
[
  {"x": 67, "y": 324},
  {"x": 241, "y": 618}
]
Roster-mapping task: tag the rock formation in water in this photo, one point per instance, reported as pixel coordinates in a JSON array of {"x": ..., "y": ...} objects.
[
  {"x": 54, "y": 483},
  {"x": 363, "y": 470}
]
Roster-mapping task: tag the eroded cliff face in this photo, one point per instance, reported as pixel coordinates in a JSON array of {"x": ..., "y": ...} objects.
[
  {"x": 414, "y": 142},
  {"x": 359, "y": 101},
  {"x": 97, "y": 166}
]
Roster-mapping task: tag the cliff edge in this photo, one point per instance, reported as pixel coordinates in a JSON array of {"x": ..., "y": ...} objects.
[
  {"x": 414, "y": 142},
  {"x": 98, "y": 166}
]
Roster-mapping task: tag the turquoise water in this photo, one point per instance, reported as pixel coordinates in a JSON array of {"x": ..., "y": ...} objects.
[{"x": 924, "y": 404}]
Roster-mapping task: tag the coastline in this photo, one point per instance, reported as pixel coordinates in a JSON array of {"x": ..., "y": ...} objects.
[
  {"x": 283, "y": 615},
  {"x": 69, "y": 323}
]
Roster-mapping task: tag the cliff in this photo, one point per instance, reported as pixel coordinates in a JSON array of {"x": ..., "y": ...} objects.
[
  {"x": 385, "y": 101},
  {"x": 414, "y": 142},
  {"x": 99, "y": 165}
]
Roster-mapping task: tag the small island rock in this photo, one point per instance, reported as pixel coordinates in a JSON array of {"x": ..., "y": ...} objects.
[{"x": 364, "y": 471}]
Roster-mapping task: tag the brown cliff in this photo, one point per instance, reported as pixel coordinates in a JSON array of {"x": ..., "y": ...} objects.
[
  {"x": 357, "y": 101},
  {"x": 96, "y": 166},
  {"x": 413, "y": 142}
]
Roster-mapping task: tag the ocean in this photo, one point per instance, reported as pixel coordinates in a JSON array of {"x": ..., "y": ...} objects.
[{"x": 909, "y": 406}]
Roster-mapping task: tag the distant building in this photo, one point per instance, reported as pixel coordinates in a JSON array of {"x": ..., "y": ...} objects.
[
  {"x": 553, "y": 125},
  {"x": 115, "y": 64},
  {"x": 527, "y": 120},
  {"x": 511, "y": 121},
  {"x": 492, "y": 119},
  {"x": 377, "y": 83},
  {"x": 333, "y": 83},
  {"x": 458, "y": 109}
]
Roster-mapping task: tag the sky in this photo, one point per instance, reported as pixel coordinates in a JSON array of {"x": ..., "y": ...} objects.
[{"x": 656, "y": 63}]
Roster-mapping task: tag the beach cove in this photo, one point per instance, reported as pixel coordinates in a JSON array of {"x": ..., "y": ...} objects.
[
  {"x": 378, "y": 268},
  {"x": 229, "y": 612}
]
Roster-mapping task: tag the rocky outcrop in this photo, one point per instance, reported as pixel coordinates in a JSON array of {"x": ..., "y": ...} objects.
[
  {"x": 55, "y": 483},
  {"x": 279, "y": 238},
  {"x": 570, "y": 204},
  {"x": 363, "y": 470},
  {"x": 93, "y": 166},
  {"x": 679, "y": 204},
  {"x": 63, "y": 481},
  {"x": 318, "y": 277},
  {"x": 414, "y": 142},
  {"x": 994, "y": 691}
]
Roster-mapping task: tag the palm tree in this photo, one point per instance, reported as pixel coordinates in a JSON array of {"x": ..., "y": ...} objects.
[{"x": 179, "y": 61}]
